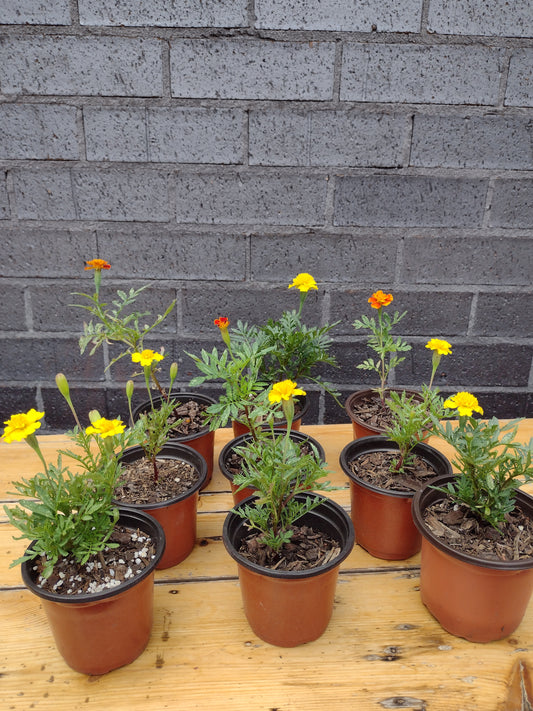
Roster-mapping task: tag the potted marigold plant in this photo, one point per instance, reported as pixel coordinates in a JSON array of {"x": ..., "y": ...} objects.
[
  {"x": 88, "y": 559},
  {"x": 116, "y": 323},
  {"x": 288, "y": 541},
  {"x": 476, "y": 573},
  {"x": 368, "y": 408},
  {"x": 386, "y": 470}
]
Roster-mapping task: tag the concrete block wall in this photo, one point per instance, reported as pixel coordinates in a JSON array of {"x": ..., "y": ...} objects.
[{"x": 215, "y": 149}]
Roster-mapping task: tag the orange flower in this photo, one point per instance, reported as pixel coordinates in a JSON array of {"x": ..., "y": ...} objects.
[
  {"x": 379, "y": 299},
  {"x": 97, "y": 264},
  {"x": 222, "y": 322}
]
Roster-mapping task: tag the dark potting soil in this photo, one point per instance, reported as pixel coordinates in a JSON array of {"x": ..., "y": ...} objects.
[
  {"x": 373, "y": 411},
  {"x": 458, "y": 527},
  {"x": 190, "y": 418},
  {"x": 103, "y": 570},
  {"x": 137, "y": 484},
  {"x": 374, "y": 468},
  {"x": 307, "y": 549}
]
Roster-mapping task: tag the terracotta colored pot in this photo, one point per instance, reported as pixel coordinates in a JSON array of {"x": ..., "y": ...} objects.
[
  {"x": 203, "y": 442},
  {"x": 246, "y": 437},
  {"x": 288, "y": 608},
  {"x": 480, "y": 600},
  {"x": 382, "y": 518},
  {"x": 98, "y": 632},
  {"x": 177, "y": 516},
  {"x": 359, "y": 426},
  {"x": 239, "y": 428}
]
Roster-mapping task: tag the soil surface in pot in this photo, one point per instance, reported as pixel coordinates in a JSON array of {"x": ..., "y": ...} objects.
[
  {"x": 373, "y": 411},
  {"x": 137, "y": 486},
  {"x": 233, "y": 461},
  {"x": 374, "y": 468},
  {"x": 458, "y": 527},
  {"x": 103, "y": 570},
  {"x": 307, "y": 549},
  {"x": 189, "y": 417}
]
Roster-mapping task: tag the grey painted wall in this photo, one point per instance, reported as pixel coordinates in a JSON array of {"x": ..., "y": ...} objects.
[{"x": 216, "y": 149}]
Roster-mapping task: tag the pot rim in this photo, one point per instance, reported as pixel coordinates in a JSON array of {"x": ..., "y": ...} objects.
[
  {"x": 178, "y": 451},
  {"x": 379, "y": 443},
  {"x": 195, "y": 397},
  {"x": 428, "y": 495},
  {"x": 129, "y": 517},
  {"x": 240, "y": 439},
  {"x": 343, "y": 526}
]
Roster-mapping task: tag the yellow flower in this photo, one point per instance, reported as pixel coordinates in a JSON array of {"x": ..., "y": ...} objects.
[
  {"x": 284, "y": 390},
  {"x": 440, "y": 346},
  {"x": 146, "y": 357},
  {"x": 303, "y": 282},
  {"x": 22, "y": 425},
  {"x": 106, "y": 428},
  {"x": 466, "y": 403}
]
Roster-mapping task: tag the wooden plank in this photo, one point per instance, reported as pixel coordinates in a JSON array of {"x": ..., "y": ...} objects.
[{"x": 382, "y": 649}]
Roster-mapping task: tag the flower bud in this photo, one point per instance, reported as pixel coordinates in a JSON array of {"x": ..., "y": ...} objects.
[
  {"x": 62, "y": 385},
  {"x": 173, "y": 372},
  {"x": 129, "y": 389},
  {"x": 94, "y": 415}
]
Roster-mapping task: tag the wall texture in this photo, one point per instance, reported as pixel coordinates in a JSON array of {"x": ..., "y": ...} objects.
[{"x": 215, "y": 149}]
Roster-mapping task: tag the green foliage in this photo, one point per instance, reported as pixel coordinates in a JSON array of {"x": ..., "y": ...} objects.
[
  {"x": 244, "y": 399},
  {"x": 113, "y": 323},
  {"x": 491, "y": 466},
  {"x": 274, "y": 465},
  {"x": 154, "y": 427},
  {"x": 412, "y": 418},
  {"x": 384, "y": 344}
]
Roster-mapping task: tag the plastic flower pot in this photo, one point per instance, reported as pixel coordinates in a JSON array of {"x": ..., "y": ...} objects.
[
  {"x": 480, "y": 600},
  {"x": 98, "y": 632},
  {"x": 177, "y": 516},
  {"x": 239, "y": 428},
  {"x": 382, "y": 518},
  {"x": 289, "y": 608},
  {"x": 359, "y": 426},
  {"x": 246, "y": 437},
  {"x": 203, "y": 441}
]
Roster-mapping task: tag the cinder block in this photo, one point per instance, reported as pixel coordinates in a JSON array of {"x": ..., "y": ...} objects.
[
  {"x": 329, "y": 258},
  {"x": 478, "y": 17},
  {"x": 38, "y": 131},
  {"x": 35, "y": 12},
  {"x": 161, "y": 13},
  {"x": 471, "y": 365},
  {"x": 402, "y": 201},
  {"x": 519, "y": 85},
  {"x": 12, "y": 309},
  {"x": 502, "y": 404},
  {"x": 83, "y": 66},
  {"x": 512, "y": 204},
  {"x": 503, "y": 314},
  {"x": 439, "y": 313},
  {"x": 14, "y": 400},
  {"x": 4, "y": 198},
  {"x": 344, "y": 138},
  {"x": 473, "y": 142},
  {"x": 267, "y": 199},
  {"x": 122, "y": 194},
  {"x": 340, "y": 15},
  {"x": 201, "y": 305},
  {"x": 468, "y": 259},
  {"x": 115, "y": 134},
  {"x": 66, "y": 252},
  {"x": 54, "y": 355},
  {"x": 407, "y": 73},
  {"x": 195, "y": 135},
  {"x": 44, "y": 193},
  {"x": 172, "y": 254},
  {"x": 252, "y": 69},
  {"x": 57, "y": 413}
]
